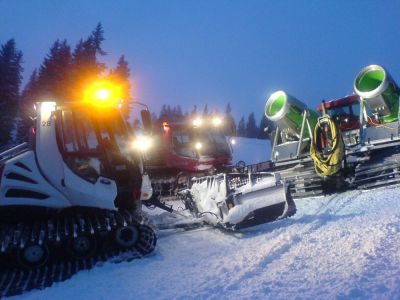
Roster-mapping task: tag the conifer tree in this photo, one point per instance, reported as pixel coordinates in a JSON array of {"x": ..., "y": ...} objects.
[
  {"x": 251, "y": 127},
  {"x": 266, "y": 129},
  {"x": 163, "y": 111},
  {"x": 205, "y": 111},
  {"x": 241, "y": 129},
  {"x": 10, "y": 81},
  {"x": 54, "y": 73},
  {"x": 154, "y": 118},
  {"x": 194, "y": 111},
  {"x": 179, "y": 111},
  {"x": 120, "y": 75},
  {"x": 29, "y": 96},
  {"x": 230, "y": 121},
  {"x": 85, "y": 66}
]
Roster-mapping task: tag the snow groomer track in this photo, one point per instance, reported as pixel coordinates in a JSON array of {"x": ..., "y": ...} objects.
[{"x": 73, "y": 235}]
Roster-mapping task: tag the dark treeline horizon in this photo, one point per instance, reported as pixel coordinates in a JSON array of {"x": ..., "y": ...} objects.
[{"x": 64, "y": 73}]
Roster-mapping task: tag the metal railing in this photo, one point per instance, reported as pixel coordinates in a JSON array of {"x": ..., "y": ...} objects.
[{"x": 5, "y": 155}]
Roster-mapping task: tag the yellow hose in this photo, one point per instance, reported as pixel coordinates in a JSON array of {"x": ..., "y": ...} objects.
[{"x": 327, "y": 162}]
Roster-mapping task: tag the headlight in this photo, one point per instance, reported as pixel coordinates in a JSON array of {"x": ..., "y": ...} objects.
[
  {"x": 197, "y": 122},
  {"x": 103, "y": 94},
  {"x": 233, "y": 141},
  {"x": 142, "y": 143},
  {"x": 198, "y": 145},
  {"x": 217, "y": 121}
]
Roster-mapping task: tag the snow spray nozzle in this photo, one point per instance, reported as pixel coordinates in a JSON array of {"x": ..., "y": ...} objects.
[
  {"x": 379, "y": 92},
  {"x": 287, "y": 112}
]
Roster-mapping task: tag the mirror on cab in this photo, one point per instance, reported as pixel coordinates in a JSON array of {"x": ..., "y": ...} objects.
[{"x": 146, "y": 121}]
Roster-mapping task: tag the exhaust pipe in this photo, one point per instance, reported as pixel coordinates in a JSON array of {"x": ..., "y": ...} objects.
[
  {"x": 379, "y": 92},
  {"x": 287, "y": 112}
]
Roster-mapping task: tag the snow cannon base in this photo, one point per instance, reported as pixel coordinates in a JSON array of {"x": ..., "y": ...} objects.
[{"x": 236, "y": 200}]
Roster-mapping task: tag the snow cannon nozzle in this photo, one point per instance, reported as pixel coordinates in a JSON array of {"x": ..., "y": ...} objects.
[
  {"x": 288, "y": 112},
  {"x": 379, "y": 92}
]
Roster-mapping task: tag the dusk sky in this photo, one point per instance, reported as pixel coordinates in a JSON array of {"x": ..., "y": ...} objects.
[{"x": 214, "y": 52}]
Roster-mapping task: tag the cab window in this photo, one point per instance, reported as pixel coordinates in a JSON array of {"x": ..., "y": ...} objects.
[{"x": 80, "y": 145}]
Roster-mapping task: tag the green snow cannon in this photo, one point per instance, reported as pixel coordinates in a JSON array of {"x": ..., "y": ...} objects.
[
  {"x": 379, "y": 92},
  {"x": 287, "y": 112}
]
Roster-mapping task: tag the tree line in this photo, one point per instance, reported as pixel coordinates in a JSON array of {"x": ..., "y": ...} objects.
[
  {"x": 64, "y": 73},
  {"x": 244, "y": 128}
]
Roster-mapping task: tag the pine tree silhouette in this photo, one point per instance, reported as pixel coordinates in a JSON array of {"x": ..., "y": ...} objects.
[{"x": 10, "y": 81}]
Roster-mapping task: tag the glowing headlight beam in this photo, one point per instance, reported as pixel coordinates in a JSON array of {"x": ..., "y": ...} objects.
[
  {"x": 142, "y": 143},
  {"x": 103, "y": 93},
  {"x": 216, "y": 121},
  {"x": 198, "y": 145},
  {"x": 197, "y": 122}
]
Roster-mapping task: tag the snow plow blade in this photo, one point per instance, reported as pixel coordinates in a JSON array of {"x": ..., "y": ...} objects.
[{"x": 237, "y": 201}]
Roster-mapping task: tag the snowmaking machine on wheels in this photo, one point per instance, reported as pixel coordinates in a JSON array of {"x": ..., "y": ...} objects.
[{"x": 72, "y": 197}]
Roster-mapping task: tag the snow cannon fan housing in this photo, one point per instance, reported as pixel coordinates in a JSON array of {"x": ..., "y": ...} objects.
[
  {"x": 287, "y": 112},
  {"x": 379, "y": 92},
  {"x": 295, "y": 123}
]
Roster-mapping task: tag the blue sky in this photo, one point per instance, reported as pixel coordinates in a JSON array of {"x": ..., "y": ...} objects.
[{"x": 198, "y": 52}]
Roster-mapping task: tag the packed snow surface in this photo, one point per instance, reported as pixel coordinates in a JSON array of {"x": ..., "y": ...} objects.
[
  {"x": 343, "y": 246},
  {"x": 336, "y": 247}
]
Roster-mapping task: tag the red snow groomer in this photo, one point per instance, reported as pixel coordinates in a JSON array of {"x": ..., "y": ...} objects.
[
  {"x": 346, "y": 113},
  {"x": 187, "y": 148},
  {"x": 188, "y": 163}
]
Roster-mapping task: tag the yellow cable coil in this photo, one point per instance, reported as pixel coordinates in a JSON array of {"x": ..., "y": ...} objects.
[{"x": 328, "y": 163}]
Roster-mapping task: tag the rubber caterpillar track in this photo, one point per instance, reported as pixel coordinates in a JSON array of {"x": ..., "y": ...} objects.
[
  {"x": 382, "y": 171},
  {"x": 70, "y": 243}
]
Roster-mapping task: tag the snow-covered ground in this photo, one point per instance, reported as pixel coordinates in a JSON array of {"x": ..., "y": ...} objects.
[{"x": 342, "y": 246}]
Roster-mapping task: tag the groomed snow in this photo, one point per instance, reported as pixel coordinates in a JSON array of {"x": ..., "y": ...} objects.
[{"x": 342, "y": 246}]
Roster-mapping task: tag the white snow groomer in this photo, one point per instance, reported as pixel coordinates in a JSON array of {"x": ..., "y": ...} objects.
[{"x": 72, "y": 197}]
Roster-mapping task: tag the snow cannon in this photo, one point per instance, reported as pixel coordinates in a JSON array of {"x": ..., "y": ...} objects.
[
  {"x": 288, "y": 113},
  {"x": 379, "y": 92}
]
